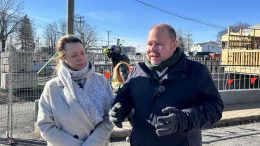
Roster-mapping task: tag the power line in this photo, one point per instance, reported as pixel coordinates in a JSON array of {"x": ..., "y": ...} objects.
[
  {"x": 36, "y": 22},
  {"x": 181, "y": 16},
  {"x": 49, "y": 3},
  {"x": 48, "y": 6}
]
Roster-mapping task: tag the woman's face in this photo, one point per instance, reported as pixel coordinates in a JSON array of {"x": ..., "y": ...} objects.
[{"x": 75, "y": 56}]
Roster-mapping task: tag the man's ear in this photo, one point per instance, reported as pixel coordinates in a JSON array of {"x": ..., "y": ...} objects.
[{"x": 174, "y": 43}]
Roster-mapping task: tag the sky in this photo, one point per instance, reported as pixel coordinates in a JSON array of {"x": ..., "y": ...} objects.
[{"x": 130, "y": 20}]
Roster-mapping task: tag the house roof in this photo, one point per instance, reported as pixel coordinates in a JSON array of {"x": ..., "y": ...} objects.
[
  {"x": 209, "y": 42},
  {"x": 257, "y": 26}
]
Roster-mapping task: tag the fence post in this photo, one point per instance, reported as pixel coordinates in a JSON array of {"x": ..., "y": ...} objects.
[
  {"x": 35, "y": 115},
  {"x": 10, "y": 98}
]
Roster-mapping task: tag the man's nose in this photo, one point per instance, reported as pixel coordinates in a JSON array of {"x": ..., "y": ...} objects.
[{"x": 153, "y": 48}]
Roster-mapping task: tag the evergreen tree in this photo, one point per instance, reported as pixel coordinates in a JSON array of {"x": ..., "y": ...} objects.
[{"x": 25, "y": 34}]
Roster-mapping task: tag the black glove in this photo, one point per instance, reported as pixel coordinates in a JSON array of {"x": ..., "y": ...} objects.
[
  {"x": 116, "y": 115},
  {"x": 169, "y": 123}
]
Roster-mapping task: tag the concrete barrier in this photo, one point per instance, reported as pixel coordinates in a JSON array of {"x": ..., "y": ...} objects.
[{"x": 240, "y": 96}]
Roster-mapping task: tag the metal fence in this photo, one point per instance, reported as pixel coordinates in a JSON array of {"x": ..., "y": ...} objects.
[
  {"x": 231, "y": 77},
  {"x": 18, "y": 90},
  {"x": 21, "y": 86}
]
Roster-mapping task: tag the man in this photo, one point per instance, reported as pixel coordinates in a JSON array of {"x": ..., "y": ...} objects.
[
  {"x": 173, "y": 97},
  {"x": 121, "y": 66}
]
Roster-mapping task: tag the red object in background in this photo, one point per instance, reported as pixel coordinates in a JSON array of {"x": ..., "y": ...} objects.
[
  {"x": 214, "y": 56},
  {"x": 107, "y": 74},
  {"x": 230, "y": 82},
  {"x": 252, "y": 80}
]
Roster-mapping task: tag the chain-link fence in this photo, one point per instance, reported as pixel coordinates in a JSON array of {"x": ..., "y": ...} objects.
[
  {"x": 23, "y": 76},
  {"x": 23, "y": 79},
  {"x": 19, "y": 89}
]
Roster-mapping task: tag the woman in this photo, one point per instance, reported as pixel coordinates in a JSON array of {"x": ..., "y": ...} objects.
[{"x": 74, "y": 105}]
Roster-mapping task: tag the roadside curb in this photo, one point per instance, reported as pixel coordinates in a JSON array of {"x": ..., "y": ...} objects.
[
  {"x": 237, "y": 121},
  {"x": 123, "y": 133}
]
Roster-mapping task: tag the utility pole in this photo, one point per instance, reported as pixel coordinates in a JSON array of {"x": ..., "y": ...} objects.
[
  {"x": 79, "y": 27},
  {"x": 188, "y": 35},
  {"x": 108, "y": 32},
  {"x": 70, "y": 16},
  {"x": 81, "y": 22}
]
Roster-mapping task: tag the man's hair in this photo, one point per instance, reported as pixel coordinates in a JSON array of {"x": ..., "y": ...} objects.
[{"x": 170, "y": 29}]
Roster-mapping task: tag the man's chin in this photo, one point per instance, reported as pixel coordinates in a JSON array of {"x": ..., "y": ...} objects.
[{"x": 155, "y": 62}]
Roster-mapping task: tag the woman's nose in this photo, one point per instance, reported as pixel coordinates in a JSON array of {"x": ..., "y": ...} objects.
[{"x": 80, "y": 58}]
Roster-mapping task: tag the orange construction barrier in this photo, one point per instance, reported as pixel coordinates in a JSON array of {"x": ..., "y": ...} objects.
[
  {"x": 252, "y": 80},
  {"x": 107, "y": 74},
  {"x": 230, "y": 82}
]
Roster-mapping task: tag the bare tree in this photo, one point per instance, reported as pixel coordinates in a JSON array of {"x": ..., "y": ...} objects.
[
  {"x": 86, "y": 32},
  {"x": 89, "y": 36},
  {"x": 51, "y": 36},
  {"x": 10, "y": 12},
  {"x": 62, "y": 27},
  {"x": 234, "y": 28},
  {"x": 186, "y": 39},
  {"x": 181, "y": 43}
]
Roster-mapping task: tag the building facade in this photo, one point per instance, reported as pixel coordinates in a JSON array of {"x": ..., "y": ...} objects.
[{"x": 210, "y": 46}]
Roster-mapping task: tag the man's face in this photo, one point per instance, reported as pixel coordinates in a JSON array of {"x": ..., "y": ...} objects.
[
  {"x": 75, "y": 56},
  {"x": 159, "y": 45}
]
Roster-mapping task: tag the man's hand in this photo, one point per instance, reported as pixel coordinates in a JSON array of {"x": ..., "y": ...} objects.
[
  {"x": 116, "y": 115},
  {"x": 169, "y": 123}
]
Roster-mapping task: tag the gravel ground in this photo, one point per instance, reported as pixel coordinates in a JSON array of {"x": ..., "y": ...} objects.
[
  {"x": 22, "y": 119},
  {"x": 23, "y": 126}
]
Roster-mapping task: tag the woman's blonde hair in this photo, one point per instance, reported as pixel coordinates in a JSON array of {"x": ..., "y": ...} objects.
[{"x": 60, "y": 47}]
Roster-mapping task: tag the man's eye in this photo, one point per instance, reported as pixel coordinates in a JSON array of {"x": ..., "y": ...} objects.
[{"x": 159, "y": 45}]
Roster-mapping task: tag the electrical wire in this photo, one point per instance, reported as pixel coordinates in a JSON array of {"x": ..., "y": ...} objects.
[
  {"x": 181, "y": 16},
  {"x": 56, "y": 9}
]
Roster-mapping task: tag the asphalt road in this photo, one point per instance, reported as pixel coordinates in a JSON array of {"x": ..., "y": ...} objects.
[{"x": 240, "y": 135}]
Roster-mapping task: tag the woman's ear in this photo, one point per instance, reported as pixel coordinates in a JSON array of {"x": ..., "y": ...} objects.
[{"x": 62, "y": 58}]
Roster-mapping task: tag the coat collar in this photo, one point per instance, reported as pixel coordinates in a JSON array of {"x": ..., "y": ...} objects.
[
  {"x": 181, "y": 66},
  {"x": 60, "y": 84},
  {"x": 178, "y": 68}
]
